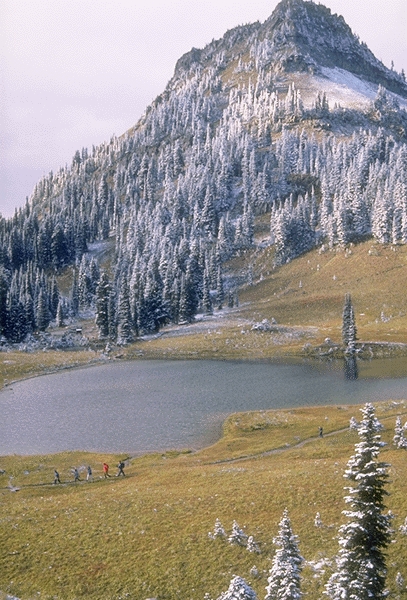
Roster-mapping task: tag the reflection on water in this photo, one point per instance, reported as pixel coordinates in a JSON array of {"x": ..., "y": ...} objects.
[
  {"x": 351, "y": 367},
  {"x": 146, "y": 406}
]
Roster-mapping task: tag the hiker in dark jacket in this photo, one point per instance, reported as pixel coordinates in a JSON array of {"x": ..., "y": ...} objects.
[{"x": 120, "y": 466}]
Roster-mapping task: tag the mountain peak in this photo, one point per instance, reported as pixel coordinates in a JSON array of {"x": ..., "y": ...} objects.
[
  {"x": 306, "y": 36},
  {"x": 299, "y": 37}
]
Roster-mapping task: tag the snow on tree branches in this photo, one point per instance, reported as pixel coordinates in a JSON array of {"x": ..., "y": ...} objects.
[
  {"x": 361, "y": 565},
  {"x": 285, "y": 574},
  {"x": 238, "y": 590},
  {"x": 399, "y": 439}
]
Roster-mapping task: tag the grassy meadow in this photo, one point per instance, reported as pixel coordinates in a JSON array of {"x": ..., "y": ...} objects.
[{"x": 146, "y": 535}]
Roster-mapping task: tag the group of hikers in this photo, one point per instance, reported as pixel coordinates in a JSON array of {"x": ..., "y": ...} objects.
[{"x": 89, "y": 473}]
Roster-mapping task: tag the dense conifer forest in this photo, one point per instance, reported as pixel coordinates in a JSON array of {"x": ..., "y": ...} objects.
[{"x": 230, "y": 139}]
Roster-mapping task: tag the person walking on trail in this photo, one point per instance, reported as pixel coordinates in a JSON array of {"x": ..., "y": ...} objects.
[
  {"x": 56, "y": 477},
  {"x": 120, "y": 466},
  {"x": 89, "y": 475},
  {"x": 75, "y": 475},
  {"x": 321, "y": 432},
  {"x": 106, "y": 470}
]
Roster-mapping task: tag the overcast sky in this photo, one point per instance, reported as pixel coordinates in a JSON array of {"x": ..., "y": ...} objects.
[{"x": 73, "y": 73}]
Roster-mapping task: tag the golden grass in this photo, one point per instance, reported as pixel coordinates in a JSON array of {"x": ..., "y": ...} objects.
[
  {"x": 146, "y": 535},
  {"x": 21, "y": 365},
  {"x": 311, "y": 289}
]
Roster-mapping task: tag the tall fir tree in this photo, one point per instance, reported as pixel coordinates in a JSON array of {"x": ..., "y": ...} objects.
[
  {"x": 102, "y": 305},
  {"x": 220, "y": 292},
  {"x": 43, "y": 316},
  {"x": 284, "y": 581},
  {"x": 124, "y": 327},
  {"x": 74, "y": 294},
  {"x": 60, "y": 314},
  {"x": 4, "y": 285},
  {"x": 361, "y": 561},
  {"x": 112, "y": 311},
  {"x": 349, "y": 330},
  {"x": 206, "y": 295}
]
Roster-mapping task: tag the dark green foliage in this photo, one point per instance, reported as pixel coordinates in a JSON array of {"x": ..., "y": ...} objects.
[
  {"x": 16, "y": 327},
  {"x": 154, "y": 308},
  {"x": 206, "y": 296},
  {"x": 4, "y": 284},
  {"x": 59, "y": 248},
  {"x": 74, "y": 294},
  {"x": 348, "y": 324},
  {"x": 102, "y": 305},
  {"x": 43, "y": 316},
  {"x": 220, "y": 293},
  {"x": 124, "y": 321}
]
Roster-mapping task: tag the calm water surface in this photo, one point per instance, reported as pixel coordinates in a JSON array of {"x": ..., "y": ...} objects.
[{"x": 144, "y": 406}]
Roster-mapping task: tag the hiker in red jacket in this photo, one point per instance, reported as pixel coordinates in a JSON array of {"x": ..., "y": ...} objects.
[{"x": 106, "y": 470}]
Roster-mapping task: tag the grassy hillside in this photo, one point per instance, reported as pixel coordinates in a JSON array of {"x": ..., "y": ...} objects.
[
  {"x": 146, "y": 535},
  {"x": 311, "y": 289},
  {"x": 305, "y": 298}
]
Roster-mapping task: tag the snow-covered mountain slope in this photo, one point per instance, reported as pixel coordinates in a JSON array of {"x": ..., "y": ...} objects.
[
  {"x": 293, "y": 118},
  {"x": 341, "y": 88},
  {"x": 299, "y": 37}
]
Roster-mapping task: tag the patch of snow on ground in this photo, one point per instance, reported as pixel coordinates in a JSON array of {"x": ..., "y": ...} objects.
[{"x": 346, "y": 88}]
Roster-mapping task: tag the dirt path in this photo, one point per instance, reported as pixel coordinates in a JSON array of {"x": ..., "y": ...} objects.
[{"x": 279, "y": 450}]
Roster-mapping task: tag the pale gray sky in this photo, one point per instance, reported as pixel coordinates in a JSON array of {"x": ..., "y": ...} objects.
[{"x": 73, "y": 73}]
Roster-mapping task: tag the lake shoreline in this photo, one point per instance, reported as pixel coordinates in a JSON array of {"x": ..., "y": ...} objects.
[
  {"x": 145, "y": 406},
  {"x": 365, "y": 351}
]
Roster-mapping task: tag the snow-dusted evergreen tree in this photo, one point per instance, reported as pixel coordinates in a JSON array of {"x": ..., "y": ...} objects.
[
  {"x": 361, "y": 564},
  {"x": 237, "y": 535},
  {"x": 399, "y": 581},
  {"x": 399, "y": 439},
  {"x": 42, "y": 313},
  {"x": 4, "y": 285},
  {"x": 102, "y": 305},
  {"x": 112, "y": 311},
  {"x": 74, "y": 294},
  {"x": 238, "y": 589},
  {"x": 403, "y": 528},
  {"x": 206, "y": 296},
  {"x": 218, "y": 531},
  {"x": 348, "y": 324},
  {"x": 124, "y": 328},
  {"x": 284, "y": 581},
  {"x": 252, "y": 545},
  {"x": 60, "y": 314},
  {"x": 220, "y": 292}
]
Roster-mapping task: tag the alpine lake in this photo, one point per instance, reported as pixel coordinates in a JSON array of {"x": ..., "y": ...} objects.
[{"x": 152, "y": 405}]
